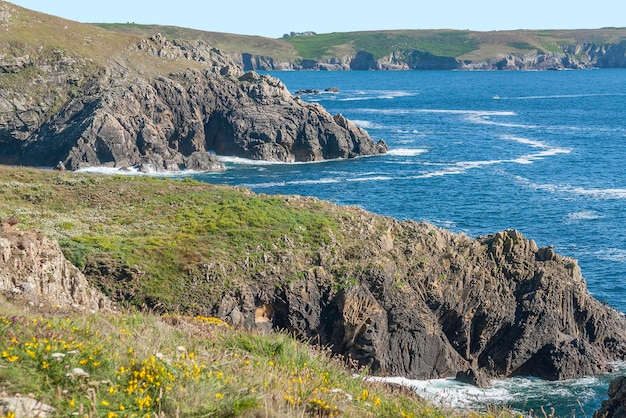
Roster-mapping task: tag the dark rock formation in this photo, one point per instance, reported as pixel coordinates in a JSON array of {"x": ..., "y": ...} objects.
[
  {"x": 121, "y": 118},
  {"x": 615, "y": 406},
  {"x": 473, "y": 377},
  {"x": 364, "y": 61},
  {"x": 416, "y": 301},
  {"x": 569, "y": 56}
]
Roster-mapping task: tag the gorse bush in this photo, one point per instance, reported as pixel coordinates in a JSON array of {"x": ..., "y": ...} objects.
[{"x": 138, "y": 365}]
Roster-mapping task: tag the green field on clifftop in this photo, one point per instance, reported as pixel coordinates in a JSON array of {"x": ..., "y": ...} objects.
[{"x": 174, "y": 361}]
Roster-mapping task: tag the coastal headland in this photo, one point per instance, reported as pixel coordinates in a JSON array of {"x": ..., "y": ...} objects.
[{"x": 387, "y": 296}]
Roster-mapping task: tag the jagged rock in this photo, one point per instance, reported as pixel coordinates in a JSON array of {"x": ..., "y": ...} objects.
[
  {"x": 122, "y": 118},
  {"x": 615, "y": 406},
  {"x": 307, "y": 91},
  {"x": 473, "y": 377},
  {"x": 33, "y": 269},
  {"x": 432, "y": 304}
]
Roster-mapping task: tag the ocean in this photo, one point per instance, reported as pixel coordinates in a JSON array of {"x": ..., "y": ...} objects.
[{"x": 480, "y": 152}]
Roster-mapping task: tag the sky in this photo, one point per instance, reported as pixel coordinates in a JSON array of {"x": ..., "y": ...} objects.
[{"x": 273, "y": 18}]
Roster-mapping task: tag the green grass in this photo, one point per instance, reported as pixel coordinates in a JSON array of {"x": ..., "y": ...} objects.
[
  {"x": 163, "y": 237},
  {"x": 382, "y": 43},
  {"x": 226, "y": 42},
  {"x": 443, "y": 43},
  {"x": 140, "y": 365}
]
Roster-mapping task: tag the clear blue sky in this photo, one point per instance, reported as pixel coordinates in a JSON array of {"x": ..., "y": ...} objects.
[{"x": 273, "y": 18}]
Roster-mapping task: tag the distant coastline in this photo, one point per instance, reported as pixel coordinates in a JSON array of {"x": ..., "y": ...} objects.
[{"x": 441, "y": 49}]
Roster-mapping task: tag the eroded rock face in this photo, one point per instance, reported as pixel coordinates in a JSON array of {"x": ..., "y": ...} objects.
[
  {"x": 422, "y": 302},
  {"x": 33, "y": 269},
  {"x": 172, "y": 121}
]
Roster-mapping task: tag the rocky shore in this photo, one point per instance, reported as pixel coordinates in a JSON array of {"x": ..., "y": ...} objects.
[
  {"x": 569, "y": 56},
  {"x": 152, "y": 104},
  {"x": 425, "y": 303},
  {"x": 401, "y": 298}
]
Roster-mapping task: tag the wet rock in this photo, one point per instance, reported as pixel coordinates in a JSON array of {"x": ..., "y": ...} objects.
[{"x": 615, "y": 405}]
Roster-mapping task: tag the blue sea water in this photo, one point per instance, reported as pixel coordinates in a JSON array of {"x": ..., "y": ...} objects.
[{"x": 479, "y": 152}]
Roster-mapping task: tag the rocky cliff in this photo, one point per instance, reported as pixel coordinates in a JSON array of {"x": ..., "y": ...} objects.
[
  {"x": 153, "y": 103},
  {"x": 585, "y": 55},
  {"x": 421, "y": 302},
  {"x": 34, "y": 270}
]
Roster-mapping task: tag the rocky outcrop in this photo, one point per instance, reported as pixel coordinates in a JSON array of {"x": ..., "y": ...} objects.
[
  {"x": 413, "y": 300},
  {"x": 251, "y": 62},
  {"x": 34, "y": 270},
  {"x": 19, "y": 406},
  {"x": 571, "y": 56},
  {"x": 272, "y": 125},
  {"x": 121, "y": 117},
  {"x": 615, "y": 406}
]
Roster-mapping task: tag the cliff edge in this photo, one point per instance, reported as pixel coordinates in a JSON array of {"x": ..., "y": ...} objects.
[
  {"x": 86, "y": 97},
  {"x": 400, "y": 297},
  {"x": 421, "y": 302}
]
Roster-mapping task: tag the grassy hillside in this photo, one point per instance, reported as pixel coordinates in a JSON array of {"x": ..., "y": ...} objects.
[
  {"x": 140, "y": 365},
  {"x": 184, "y": 364},
  {"x": 382, "y": 43},
  {"x": 30, "y": 32},
  {"x": 457, "y": 44},
  {"x": 163, "y": 231},
  {"x": 227, "y": 42}
]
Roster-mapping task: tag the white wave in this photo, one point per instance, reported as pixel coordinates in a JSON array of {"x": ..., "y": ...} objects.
[
  {"x": 365, "y": 124},
  {"x": 376, "y": 94},
  {"x": 266, "y": 185},
  {"x": 457, "y": 168},
  {"x": 446, "y": 392},
  {"x": 595, "y": 193},
  {"x": 372, "y": 178},
  {"x": 484, "y": 119},
  {"x": 612, "y": 254},
  {"x": 110, "y": 170},
  {"x": 530, "y": 158},
  {"x": 525, "y": 141},
  {"x": 134, "y": 171},
  {"x": 469, "y": 112},
  {"x": 248, "y": 161},
  {"x": 392, "y": 94},
  {"x": 584, "y": 215},
  {"x": 353, "y": 99},
  {"x": 452, "y": 393},
  {"x": 406, "y": 152},
  {"x": 289, "y": 183}
]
